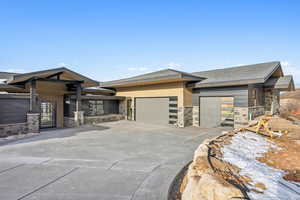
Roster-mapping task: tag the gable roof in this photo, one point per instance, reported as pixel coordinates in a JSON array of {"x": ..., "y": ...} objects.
[
  {"x": 162, "y": 75},
  {"x": 247, "y": 74},
  {"x": 20, "y": 78},
  {"x": 282, "y": 83},
  {"x": 4, "y": 76}
]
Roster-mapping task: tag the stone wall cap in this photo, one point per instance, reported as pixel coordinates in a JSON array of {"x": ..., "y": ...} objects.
[
  {"x": 14, "y": 124},
  {"x": 33, "y": 113}
]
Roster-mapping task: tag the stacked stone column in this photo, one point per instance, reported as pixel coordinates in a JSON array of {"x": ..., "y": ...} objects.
[
  {"x": 78, "y": 118},
  {"x": 185, "y": 116},
  {"x": 33, "y": 122},
  {"x": 241, "y": 117}
]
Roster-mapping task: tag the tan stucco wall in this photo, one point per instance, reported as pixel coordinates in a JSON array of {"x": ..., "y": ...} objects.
[
  {"x": 188, "y": 97},
  {"x": 159, "y": 90}
]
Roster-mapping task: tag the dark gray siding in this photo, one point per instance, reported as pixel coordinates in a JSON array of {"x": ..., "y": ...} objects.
[
  {"x": 239, "y": 93},
  {"x": 13, "y": 110}
]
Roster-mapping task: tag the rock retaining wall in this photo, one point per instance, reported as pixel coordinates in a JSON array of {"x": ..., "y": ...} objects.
[
  {"x": 202, "y": 184},
  {"x": 31, "y": 126},
  {"x": 104, "y": 118},
  {"x": 13, "y": 129}
]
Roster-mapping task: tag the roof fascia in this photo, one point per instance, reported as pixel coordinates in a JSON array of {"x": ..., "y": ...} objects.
[
  {"x": 56, "y": 70},
  {"x": 227, "y": 83},
  {"x": 163, "y": 78},
  {"x": 274, "y": 70}
]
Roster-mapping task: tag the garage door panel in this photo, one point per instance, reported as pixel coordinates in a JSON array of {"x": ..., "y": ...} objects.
[
  {"x": 152, "y": 110},
  {"x": 210, "y": 111},
  {"x": 216, "y": 111}
]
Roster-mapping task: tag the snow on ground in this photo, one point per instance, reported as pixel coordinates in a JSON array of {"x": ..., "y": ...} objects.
[{"x": 245, "y": 147}]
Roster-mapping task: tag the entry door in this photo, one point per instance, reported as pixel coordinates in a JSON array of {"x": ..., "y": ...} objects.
[
  {"x": 210, "y": 112},
  {"x": 48, "y": 113}
]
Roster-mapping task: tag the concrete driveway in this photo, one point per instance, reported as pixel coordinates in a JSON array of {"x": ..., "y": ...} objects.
[{"x": 115, "y": 161}]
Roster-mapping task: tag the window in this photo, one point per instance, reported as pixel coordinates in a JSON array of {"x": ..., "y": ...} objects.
[{"x": 95, "y": 108}]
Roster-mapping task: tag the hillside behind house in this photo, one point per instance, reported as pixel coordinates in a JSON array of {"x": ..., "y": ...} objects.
[
  {"x": 290, "y": 104},
  {"x": 291, "y": 95}
]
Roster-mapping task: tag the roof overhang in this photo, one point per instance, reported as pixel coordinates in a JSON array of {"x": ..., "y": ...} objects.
[
  {"x": 157, "y": 77},
  {"x": 274, "y": 72},
  {"x": 284, "y": 83},
  {"x": 98, "y": 90},
  {"x": 225, "y": 83},
  {"x": 98, "y": 97},
  {"x": 146, "y": 82},
  {"x": 62, "y": 74}
]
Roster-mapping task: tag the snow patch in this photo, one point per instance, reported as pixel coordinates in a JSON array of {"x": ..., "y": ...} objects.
[
  {"x": 245, "y": 147},
  {"x": 3, "y": 80}
]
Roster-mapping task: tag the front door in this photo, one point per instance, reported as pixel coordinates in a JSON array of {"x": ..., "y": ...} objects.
[{"x": 48, "y": 113}]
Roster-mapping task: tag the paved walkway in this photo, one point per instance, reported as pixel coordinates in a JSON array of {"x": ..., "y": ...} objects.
[{"x": 115, "y": 161}]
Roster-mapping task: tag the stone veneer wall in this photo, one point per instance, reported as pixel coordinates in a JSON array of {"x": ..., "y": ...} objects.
[
  {"x": 256, "y": 112},
  {"x": 31, "y": 126},
  {"x": 196, "y": 114},
  {"x": 272, "y": 101},
  {"x": 13, "y": 129},
  {"x": 240, "y": 117},
  {"x": 79, "y": 118},
  {"x": 103, "y": 118},
  {"x": 69, "y": 122},
  {"x": 185, "y": 116},
  {"x": 33, "y": 122}
]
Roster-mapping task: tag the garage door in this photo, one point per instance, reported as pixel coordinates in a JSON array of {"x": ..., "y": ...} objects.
[
  {"x": 216, "y": 111},
  {"x": 152, "y": 110}
]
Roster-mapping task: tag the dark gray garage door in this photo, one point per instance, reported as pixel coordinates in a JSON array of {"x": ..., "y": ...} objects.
[
  {"x": 216, "y": 111},
  {"x": 152, "y": 110}
]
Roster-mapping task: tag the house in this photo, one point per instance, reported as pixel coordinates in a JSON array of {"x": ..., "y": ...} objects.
[
  {"x": 53, "y": 98},
  {"x": 61, "y": 98},
  {"x": 230, "y": 96}
]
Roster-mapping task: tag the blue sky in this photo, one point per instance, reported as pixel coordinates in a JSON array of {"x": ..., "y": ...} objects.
[{"x": 114, "y": 39}]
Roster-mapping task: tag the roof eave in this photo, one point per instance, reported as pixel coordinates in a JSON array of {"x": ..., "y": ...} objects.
[
  {"x": 274, "y": 70},
  {"x": 149, "y": 81},
  {"x": 55, "y": 70},
  {"x": 227, "y": 83}
]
